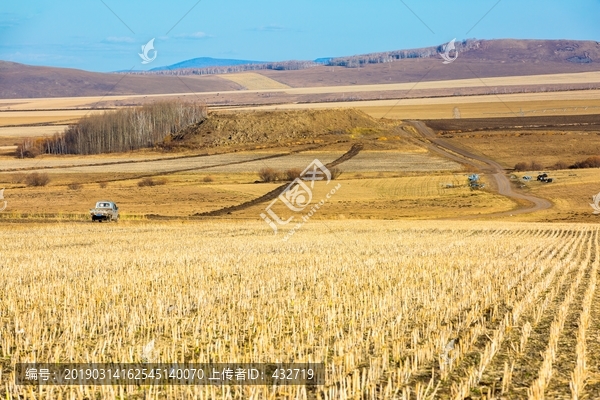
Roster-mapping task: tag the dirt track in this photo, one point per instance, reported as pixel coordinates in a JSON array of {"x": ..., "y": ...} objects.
[
  {"x": 495, "y": 170},
  {"x": 354, "y": 150}
]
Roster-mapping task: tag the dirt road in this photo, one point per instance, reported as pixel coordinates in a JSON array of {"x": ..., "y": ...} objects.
[{"x": 490, "y": 167}]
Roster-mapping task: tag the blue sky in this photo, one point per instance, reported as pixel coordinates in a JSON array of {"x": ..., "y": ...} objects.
[{"x": 107, "y": 35}]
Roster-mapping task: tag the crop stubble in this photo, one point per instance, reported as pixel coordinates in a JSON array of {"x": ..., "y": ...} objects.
[{"x": 377, "y": 301}]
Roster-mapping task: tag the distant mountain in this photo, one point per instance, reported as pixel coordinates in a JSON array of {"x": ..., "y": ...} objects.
[
  {"x": 206, "y": 62},
  {"x": 476, "y": 59}
]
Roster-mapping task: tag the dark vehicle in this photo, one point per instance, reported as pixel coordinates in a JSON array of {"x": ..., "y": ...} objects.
[{"x": 544, "y": 178}]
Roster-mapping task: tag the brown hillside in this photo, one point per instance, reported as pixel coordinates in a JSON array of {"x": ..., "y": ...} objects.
[
  {"x": 273, "y": 127},
  {"x": 477, "y": 59},
  {"x": 482, "y": 59},
  {"x": 25, "y": 81}
]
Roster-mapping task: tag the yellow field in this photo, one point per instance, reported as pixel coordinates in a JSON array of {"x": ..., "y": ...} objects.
[
  {"x": 547, "y": 146},
  {"x": 31, "y": 131},
  {"x": 11, "y": 118},
  {"x": 393, "y": 309},
  {"x": 485, "y": 106},
  {"x": 571, "y": 194},
  {"x": 382, "y": 195},
  {"x": 74, "y": 102},
  {"x": 253, "y": 81},
  {"x": 561, "y": 103}
]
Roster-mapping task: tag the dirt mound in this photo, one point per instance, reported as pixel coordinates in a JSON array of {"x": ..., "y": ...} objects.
[{"x": 272, "y": 127}]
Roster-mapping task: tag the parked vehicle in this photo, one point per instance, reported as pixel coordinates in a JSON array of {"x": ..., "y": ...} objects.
[
  {"x": 105, "y": 210},
  {"x": 545, "y": 178}
]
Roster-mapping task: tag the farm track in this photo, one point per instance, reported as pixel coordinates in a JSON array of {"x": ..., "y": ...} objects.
[
  {"x": 495, "y": 170},
  {"x": 354, "y": 150}
]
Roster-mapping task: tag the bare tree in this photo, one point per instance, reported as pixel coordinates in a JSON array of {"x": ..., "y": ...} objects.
[{"x": 118, "y": 131}]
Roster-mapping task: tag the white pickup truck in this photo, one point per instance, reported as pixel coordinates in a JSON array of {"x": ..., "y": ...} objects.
[{"x": 105, "y": 211}]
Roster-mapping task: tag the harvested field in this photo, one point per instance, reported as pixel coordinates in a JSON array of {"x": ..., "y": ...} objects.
[
  {"x": 488, "y": 106},
  {"x": 511, "y": 313},
  {"x": 140, "y": 167},
  {"x": 387, "y": 161},
  {"x": 31, "y": 131},
  {"x": 547, "y": 140},
  {"x": 253, "y": 81},
  {"x": 541, "y": 123},
  {"x": 547, "y": 148},
  {"x": 349, "y": 92},
  {"x": 45, "y": 117}
]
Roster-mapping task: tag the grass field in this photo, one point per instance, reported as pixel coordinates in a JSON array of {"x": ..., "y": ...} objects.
[
  {"x": 577, "y": 102},
  {"x": 398, "y": 282},
  {"x": 31, "y": 131},
  {"x": 252, "y": 81},
  {"x": 12, "y": 118},
  {"x": 486, "y": 106},
  {"x": 398, "y": 193},
  {"x": 571, "y": 193},
  {"x": 394, "y": 310},
  {"x": 548, "y": 147}
]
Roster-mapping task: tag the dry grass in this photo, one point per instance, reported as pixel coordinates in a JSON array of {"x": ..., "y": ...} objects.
[
  {"x": 31, "y": 131},
  {"x": 253, "y": 81},
  {"x": 374, "y": 195},
  {"x": 378, "y": 302},
  {"x": 234, "y": 163},
  {"x": 11, "y": 118},
  {"x": 547, "y": 147},
  {"x": 151, "y": 182},
  {"x": 571, "y": 194},
  {"x": 37, "y": 179}
]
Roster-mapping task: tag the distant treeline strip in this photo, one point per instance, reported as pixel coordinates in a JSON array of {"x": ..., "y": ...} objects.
[
  {"x": 118, "y": 131},
  {"x": 231, "y": 69},
  {"x": 348, "y": 62}
]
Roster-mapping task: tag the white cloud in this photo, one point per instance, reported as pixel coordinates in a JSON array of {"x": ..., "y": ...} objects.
[
  {"x": 195, "y": 35},
  {"x": 121, "y": 39}
]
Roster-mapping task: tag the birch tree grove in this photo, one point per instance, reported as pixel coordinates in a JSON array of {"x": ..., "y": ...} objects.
[{"x": 126, "y": 129}]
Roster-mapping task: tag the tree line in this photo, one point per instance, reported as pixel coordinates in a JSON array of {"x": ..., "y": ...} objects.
[
  {"x": 118, "y": 131},
  {"x": 348, "y": 62},
  {"x": 231, "y": 69}
]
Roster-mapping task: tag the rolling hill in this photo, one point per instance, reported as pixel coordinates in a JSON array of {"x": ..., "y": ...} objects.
[
  {"x": 476, "y": 59},
  {"x": 26, "y": 81}
]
